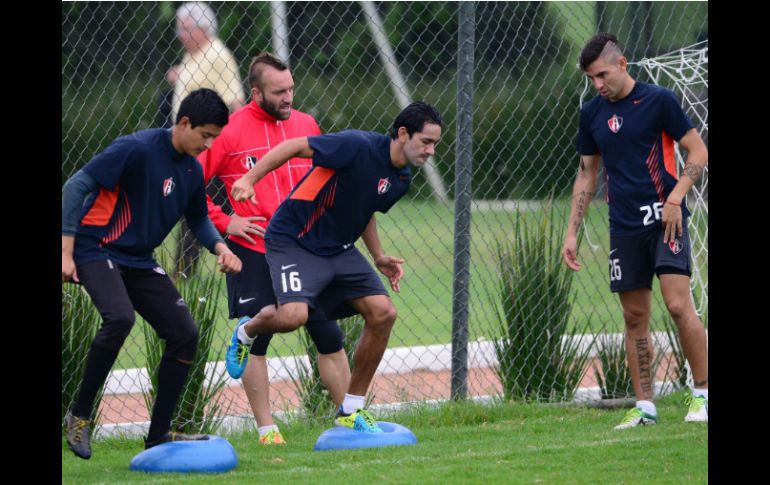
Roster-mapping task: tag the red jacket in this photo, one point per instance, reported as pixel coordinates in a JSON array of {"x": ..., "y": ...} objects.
[{"x": 246, "y": 138}]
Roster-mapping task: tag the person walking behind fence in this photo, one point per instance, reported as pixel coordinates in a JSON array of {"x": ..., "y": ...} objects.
[
  {"x": 632, "y": 126},
  {"x": 265, "y": 122},
  {"x": 207, "y": 63},
  {"x": 313, "y": 261},
  {"x": 137, "y": 189}
]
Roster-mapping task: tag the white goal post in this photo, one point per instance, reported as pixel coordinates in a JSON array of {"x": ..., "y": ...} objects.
[{"x": 685, "y": 71}]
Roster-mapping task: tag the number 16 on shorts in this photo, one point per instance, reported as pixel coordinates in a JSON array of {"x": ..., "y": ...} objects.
[{"x": 291, "y": 282}]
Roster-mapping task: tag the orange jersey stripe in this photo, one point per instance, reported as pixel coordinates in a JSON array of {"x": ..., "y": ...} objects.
[
  {"x": 316, "y": 179},
  {"x": 121, "y": 223},
  {"x": 669, "y": 157},
  {"x": 104, "y": 205}
]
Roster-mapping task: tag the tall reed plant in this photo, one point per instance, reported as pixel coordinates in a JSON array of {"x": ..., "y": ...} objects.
[
  {"x": 676, "y": 372},
  {"x": 539, "y": 358},
  {"x": 613, "y": 374}
]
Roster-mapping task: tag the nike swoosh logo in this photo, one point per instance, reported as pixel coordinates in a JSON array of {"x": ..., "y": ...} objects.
[
  {"x": 241, "y": 300},
  {"x": 613, "y": 251},
  {"x": 637, "y": 101},
  {"x": 288, "y": 266}
]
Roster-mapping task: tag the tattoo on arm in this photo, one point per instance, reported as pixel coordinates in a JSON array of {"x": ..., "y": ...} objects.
[
  {"x": 582, "y": 165},
  {"x": 583, "y": 198},
  {"x": 693, "y": 171},
  {"x": 644, "y": 357}
]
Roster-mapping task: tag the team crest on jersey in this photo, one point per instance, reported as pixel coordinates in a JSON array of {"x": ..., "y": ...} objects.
[
  {"x": 168, "y": 186},
  {"x": 251, "y": 160},
  {"x": 675, "y": 246},
  {"x": 615, "y": 123},
  {"x": 383, "y": 185}
]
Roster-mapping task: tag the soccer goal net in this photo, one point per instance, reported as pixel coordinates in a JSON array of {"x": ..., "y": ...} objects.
[{"x": 686, "y": 72}]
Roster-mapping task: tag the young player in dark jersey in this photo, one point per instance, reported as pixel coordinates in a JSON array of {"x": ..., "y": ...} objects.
[
  {"x": 632, "y": 127},
  {"x": 313, "y": 261},
  {"x": 138, "y": 188}
]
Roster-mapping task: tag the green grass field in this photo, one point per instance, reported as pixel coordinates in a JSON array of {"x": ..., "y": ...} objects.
[
  {"x": 422, "y": 233},
  {"x": 458, "y": 444}
]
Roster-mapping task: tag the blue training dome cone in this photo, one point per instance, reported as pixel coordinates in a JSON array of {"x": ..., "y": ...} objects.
[
  {"x": 214, "y": 455},
  {"x": 346, "y": 438}
]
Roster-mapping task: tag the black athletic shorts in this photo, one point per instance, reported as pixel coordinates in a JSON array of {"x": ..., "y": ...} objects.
[
  {"x": 251, "y": 290},
  {"x": 635, "y": 259},
  {"x": 325, "y": 283}
]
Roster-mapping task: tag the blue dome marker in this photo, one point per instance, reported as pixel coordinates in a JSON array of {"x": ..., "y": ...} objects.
[
  {"x": 346, "y": 438},
  {"x": 215, "y": 455}
]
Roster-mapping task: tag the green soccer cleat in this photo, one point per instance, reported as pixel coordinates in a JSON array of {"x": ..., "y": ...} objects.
[
  {"x": 698, "y": 411},
  {"x": 361, "y": 420},
  {"x": 636, "y": 417},
  {"x": 272, "y": 437}
]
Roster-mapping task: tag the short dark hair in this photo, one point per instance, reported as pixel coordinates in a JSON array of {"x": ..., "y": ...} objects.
[
  {"x": 594, "y": 47},
  {"x": 255, "y": 73},
  {"x": 414, "y": 117},
  {"x": 203, "y": 106}
]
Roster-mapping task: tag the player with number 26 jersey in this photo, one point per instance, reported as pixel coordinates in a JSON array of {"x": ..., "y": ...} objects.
[{"x": 635, "y": 137}]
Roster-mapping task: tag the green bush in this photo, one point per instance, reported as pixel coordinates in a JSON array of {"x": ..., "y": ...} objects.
[
  {"x": 539, "y": 359},
  {"x": 521, "y": 85},
  {"x": 526, "y": 95}
]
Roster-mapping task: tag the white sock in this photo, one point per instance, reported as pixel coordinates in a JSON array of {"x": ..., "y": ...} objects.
[
  {"x": 243, "y": 337},
  {"x": 263, "y": 430},
  {"x": 701, "y": 392},
  {"x": 352, "y": 403},
  {"x": 647, "y": 407}
]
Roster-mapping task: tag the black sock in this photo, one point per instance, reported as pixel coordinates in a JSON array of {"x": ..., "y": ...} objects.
[
  {"x": 171, "y": 377},
  {"x": 98, "y": 365}
]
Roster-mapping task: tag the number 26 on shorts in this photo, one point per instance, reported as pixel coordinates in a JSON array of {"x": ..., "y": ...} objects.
[{"x": 615, "y": 273}]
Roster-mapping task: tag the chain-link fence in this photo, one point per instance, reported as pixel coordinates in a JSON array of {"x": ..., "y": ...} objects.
[{"x": 355, "y": 64}]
